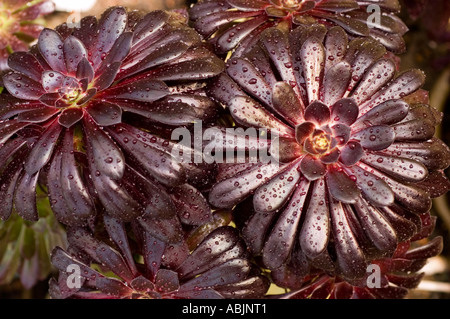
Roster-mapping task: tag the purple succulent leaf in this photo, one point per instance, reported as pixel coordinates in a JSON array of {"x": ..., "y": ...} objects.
[
  {"x": 149, "y": 25},
  {"x": 22, "y": 87},
  {"x": 153, "y": 250},
  {"x": 350, "y": 256},
  {"x": 431, "y": 249},
  {"x": 112, "y": 287},
  {"x": 161, "y": 54},
  {"x": 312, "y": 168},
  {"x": 110, "y": 26},
  {"x": 350, "y": 25},
  {"x": 106, "y": 78},
  {"x": 341, "y": 133},
  {"x": 341, "y": 186},
  {"x": 436, "y": 183},
  {"x": 102, "y": 151},
  {"x": 229, "y": 272},
  {"x": 90, "y": 93},
  {"x": 303, "y": 131},
  {"x": 74, "y": 52},
  {"x": 104, "y": 113},
  {"x": 166, "y": 281},
  {"x": 74, "y": 190},
  {"x": 275, "y": 42},
  {"x": 51, "y": 99},
  {"x": 434, "y": 153},
  {"x": 393, "y": 42},
  {"x": 337, "y": 5},
  {"x": 192, "y": 206},
  {"x": 315, "y": 231},
  {"x": 221, "y": 245},
  {"x": 400, "y": 168},
  {"x": 351, "y": 153},
  {"x": 197, "y": 69},
  {"x": 286, "y": 103},
  {"x": 281, "y": 240},
  {"x": 51, "y": 46},
  {"x": 159, "y": 163},
  {"x": 42, "y": 151},
  {"x": 336, "y": 42},
  {"x": 271, "y": 196},
  {"x": 25, "y": 197},
  {"x": 237, "y": 34},
  {"x": 318, "y": 113},
  {"x": 313, "y": 61},
  {"x": 250, "y": 79},
  {"x": 252, "y": 288},
  {"x": 379, "y": 74},
  {"x": 8, "y": 186},
  {"x": 142, "y": 90},
  {"x": 223, "y": 89},
  {"x": 167, "y": 230},
  {"x": 85, "y": 70},
  {"x": 208, "y": 24},
  {"x": 415, "y": 199},
  {"x": 404, "y": 84},
  {"x": 404, "y": 228},
  {"x": 142, "y": 284},
  {"x": 251, "y": 114},
  {"x": 375, "y": 138},
  {"x": 26, "y": 63},
  {"x": 256, "y": 229},
  {"x": 56, "y": 196},
  {"x": 336, "y": 82},
  {"x": 387, "y": 113},
  {"x": 157, "y": 202},
  {"x": 118, "y": 52},
  {"x": 248, "y": 5},
  {"x": 52, "y": 81},
  {"x": 100, "y": 251},
  {"x": 415, "y": 130},
  {"x": 38, "y": 115},
  {"x": 61, "y": 260},
  {"x": 375, "y": 190},
  {"x": 231, "y": 191},
  {"x": 116, "y": 200},
  {"x": 70, "y": 116},
  {"x": 423, "y": 111},
  {"x": 344, "y": 111},
  {"x": 376, "y": 226},
  {"x": 331, "y": 157}
]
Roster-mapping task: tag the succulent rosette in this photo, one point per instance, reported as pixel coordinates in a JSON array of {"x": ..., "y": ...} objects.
[
  {"x": 398, "y": 274},
  {"x": 217, "y": 268},
  {"x": 236, "y": 24},
  {"x": 19, "y": 25},
  {"x": 84, "y": 113},
  {"x": 356, "y": 161}
]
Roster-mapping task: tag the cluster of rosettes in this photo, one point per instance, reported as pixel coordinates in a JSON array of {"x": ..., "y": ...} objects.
[{"x": 88, "y": 116}]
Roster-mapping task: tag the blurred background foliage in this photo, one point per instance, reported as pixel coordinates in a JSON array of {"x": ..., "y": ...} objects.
[{"x": 24, "y": 246}]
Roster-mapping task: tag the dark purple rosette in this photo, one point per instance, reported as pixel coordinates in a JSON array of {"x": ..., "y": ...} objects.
[
  {"x": 85, "y": 116},
  {"x": 356, "y": 161},
  {"x": 219, "y": 267},
  {"x": 237, "y": 24}
]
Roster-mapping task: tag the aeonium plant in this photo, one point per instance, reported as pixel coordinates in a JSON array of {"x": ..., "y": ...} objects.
[
  {"x": 81, "y": 117},
  {"x": 357, "y": 156},
  {"x": 235, "y": 25}
]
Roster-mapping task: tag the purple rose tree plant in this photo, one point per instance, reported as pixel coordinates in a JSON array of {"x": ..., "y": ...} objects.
[{"x": 88, "y": 122}]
